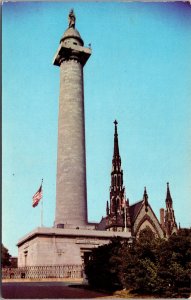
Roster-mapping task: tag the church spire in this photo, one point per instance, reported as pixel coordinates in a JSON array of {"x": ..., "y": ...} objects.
[
  {"x": 118, "y": 208},
  {"x": 145, "y": 199},
  {"x": 116, "y": 162},
  {"x": 170, "y": 222},
  {"x": 117, "y": 172},
  {"x": 116, "y": 145},
  {"x": 145, "y": 196},
  {"x": 168, "y": 195}
]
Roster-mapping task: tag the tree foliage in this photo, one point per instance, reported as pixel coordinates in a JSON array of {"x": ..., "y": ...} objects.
[
  {"x": 103, "y": 267},
  {"x": 5, "y": 257},
  {"x": 149, "y": 265}
]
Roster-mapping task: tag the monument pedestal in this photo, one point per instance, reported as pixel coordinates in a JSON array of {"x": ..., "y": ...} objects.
[{"x": 55, "y": 246}]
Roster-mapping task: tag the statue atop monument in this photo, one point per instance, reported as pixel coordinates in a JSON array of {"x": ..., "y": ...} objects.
[{"x": 71, "y": 19}]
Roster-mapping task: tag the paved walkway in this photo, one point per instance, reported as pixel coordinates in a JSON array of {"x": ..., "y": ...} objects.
[{"x": 48, "y": 290}]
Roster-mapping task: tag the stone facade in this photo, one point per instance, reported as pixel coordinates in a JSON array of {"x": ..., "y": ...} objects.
[
  {"x": 147, "y": 218},
  {"x": 56, "y": 246}
]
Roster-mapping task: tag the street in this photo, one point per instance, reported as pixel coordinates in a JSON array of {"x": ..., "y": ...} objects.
[{"x": 49, "y": 290}]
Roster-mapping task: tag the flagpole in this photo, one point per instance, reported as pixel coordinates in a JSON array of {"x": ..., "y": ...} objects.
[
  {"x": 125, "y": 214},
  {"x": 42, "y": 207},
  {"x": 42, "y": 213},
  {"x": 125, "y": 217}
]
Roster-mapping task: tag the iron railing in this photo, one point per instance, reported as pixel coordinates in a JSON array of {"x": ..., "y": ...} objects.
[{"x": 63, "y": 271}]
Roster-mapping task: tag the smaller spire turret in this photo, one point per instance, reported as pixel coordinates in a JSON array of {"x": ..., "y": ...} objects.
[
  {"x": 145, "y": 195},
  {"x": 145, "y": 199},
  {"x": 170, "y": 222},
  {"x": 168, "y": 196},
  {"x": 107, "y": 208}
]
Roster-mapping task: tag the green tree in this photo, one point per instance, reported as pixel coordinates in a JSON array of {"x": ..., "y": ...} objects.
[
  {"x": 149, "y": 265},
  {"x": 175, "y": 264},
  {"x": 102, "y": 269},
  {"x": 5, "y": 257},
  {"x": 158, "y": 266},
  {"x": 140, "y": 264}
]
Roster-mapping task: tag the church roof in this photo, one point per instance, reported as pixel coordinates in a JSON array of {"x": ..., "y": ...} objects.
[
  {"x": 134, "y": 209},
  {"x": 102, "y": 224}
]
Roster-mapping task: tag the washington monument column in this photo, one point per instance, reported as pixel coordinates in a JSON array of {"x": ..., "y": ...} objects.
[{"x": 71, "y": 198}]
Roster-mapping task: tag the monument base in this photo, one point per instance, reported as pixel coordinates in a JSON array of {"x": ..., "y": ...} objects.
[{"x": 59, "y": 246}]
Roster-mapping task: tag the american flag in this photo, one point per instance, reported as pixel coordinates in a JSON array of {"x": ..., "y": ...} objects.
[{"x": 37, "y": 196}]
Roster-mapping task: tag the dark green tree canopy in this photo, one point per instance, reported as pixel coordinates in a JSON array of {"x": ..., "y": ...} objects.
[
  {"x": 149, "y": 265},
  {"x": 5, "y": 257}
]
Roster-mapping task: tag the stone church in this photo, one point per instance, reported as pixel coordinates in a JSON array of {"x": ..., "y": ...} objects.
[
  {"x": 121, "y": 216},
  {"x": 71, "y": 239}
]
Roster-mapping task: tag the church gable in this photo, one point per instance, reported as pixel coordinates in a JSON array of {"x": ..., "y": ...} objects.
[{"x": 146, "y": 218}]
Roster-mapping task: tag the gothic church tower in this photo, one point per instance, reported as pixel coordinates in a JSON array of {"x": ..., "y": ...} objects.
[{"x": 117, "y": 211}]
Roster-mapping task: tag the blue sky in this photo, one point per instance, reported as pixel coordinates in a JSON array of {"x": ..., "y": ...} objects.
[{"x": 139, "y": 74}]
